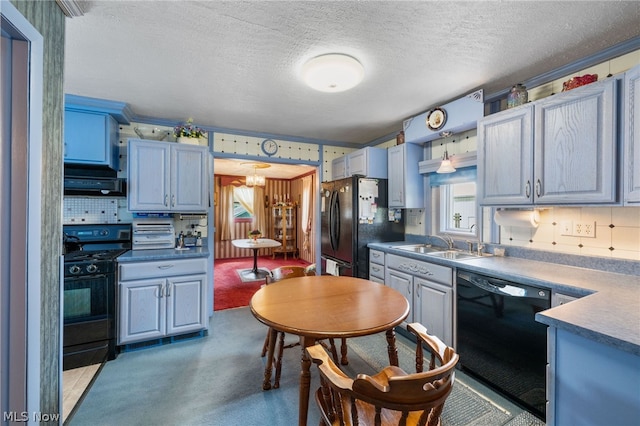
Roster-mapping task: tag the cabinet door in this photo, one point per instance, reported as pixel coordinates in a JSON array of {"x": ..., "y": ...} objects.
[
  {"x": 339, "y": 168},
  {"x": 395, "y": 158},
  {"x": 404, "y": 284},
  {"x": 358, "y": 163},
  {"x": 505, "y": 157},
  {"x": 142, "y": 310},
  {"x": 189, "y": 185},
  {"x": 89, "y": 138},
  {"x": 406, "y": 184},
  {"x": 186, "y": 304},
  {"x": 631, "y": 174},
  {"x": 575, "y": 146},
  {"x": 433, "y": 308},
  {"x": 148, "y": 176}
]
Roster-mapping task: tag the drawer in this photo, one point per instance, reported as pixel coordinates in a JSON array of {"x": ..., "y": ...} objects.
[
  {"x": 376, "y": 270},
  {"x": 417, "y": 268},
  {"x": 376, "y": 256},
  {"x": 161, "y": 269}
]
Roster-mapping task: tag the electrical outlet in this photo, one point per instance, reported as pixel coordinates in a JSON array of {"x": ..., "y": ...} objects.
[
  {"x": 589, "y": 230},
  {"x": 584, "y": 229},
  {"x": 566, "y": 227}
]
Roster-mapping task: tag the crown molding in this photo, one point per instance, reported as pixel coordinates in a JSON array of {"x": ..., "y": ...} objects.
[{"x": 71, "y": 8}]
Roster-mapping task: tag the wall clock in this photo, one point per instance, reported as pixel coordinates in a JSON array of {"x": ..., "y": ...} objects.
[
  {"x": 436, "y": 118},
  {"x": 269, "y": 147}
]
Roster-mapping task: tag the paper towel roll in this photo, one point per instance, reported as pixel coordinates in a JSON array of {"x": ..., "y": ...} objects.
[{"x": 519, "y": 218}]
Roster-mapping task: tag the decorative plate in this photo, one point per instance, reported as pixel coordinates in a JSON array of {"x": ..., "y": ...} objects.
[{"x": 436, "y": 118}]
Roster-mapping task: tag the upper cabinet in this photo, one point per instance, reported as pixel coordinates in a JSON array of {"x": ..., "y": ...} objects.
[
  {"x": 406, "y": 188},
  {"x": 91, "y": 130},
  {"x": 339, "y": 168},
  {"x": 166, "y": 176},
  {"x": 369, "y": 162},
  {"x": 559, "y": 150},
  {"x": 631, "y": 123},
  {"x": 90, "y": 138}
]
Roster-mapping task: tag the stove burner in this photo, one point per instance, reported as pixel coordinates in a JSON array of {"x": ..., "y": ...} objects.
[{"x": 80, "y": 256}]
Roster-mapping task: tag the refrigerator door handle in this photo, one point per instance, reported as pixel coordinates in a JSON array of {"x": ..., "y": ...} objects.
[
  {"x": 337, "y": 219},
  {"x": 333, "y": 220}
]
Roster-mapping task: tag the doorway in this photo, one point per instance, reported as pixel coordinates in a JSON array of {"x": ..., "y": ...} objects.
[
  {"x": 21, "y": 76},
  {"x": 283, "y": 181}
]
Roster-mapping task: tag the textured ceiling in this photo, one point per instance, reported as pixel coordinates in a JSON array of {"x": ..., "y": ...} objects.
[{"x": 235, "y": 64}]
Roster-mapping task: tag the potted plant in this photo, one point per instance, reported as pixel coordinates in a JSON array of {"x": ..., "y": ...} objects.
[
  {"x": 188, "y": 133},
  {"x": 255, "y": 234}
]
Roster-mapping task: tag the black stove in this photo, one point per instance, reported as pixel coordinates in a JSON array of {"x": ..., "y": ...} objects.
[
  {"x": 90, "y": 284},
  {"x": 91, "y": 262}
]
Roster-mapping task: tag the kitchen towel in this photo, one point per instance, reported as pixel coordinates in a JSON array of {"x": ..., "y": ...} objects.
[
  {"x": 519, "y": 218},
  {"x": 332, "y": 267}
]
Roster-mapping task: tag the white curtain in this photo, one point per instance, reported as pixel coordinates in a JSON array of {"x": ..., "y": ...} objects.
[
  {"x": 307, "y": 209},
  {"x": 259, "y": 216},
  {"x": 244, "y": 195},
  {"x": 226, "y": 213}
]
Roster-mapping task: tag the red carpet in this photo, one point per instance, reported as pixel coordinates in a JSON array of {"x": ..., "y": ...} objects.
[{"x": 229, "y": 291}]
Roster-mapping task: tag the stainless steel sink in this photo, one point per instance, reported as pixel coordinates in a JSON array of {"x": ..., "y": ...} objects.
[
  {"x": 419, "y": 248},
  {"x": 453, "y": 254}
]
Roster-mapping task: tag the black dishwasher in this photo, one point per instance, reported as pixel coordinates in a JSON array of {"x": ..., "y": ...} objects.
[{"x": 498, "y": 339}]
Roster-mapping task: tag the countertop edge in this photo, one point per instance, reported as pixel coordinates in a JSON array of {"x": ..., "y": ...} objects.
[
  {"x": 162, "y": 254},
  {"x": 610, "y": 289}
]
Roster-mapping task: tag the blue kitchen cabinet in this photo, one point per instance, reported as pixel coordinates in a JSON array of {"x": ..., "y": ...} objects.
[{"x": 90, "y": 138}]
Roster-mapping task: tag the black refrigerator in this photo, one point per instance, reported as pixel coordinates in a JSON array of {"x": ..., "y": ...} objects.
[{"x": 354, "y": 213}]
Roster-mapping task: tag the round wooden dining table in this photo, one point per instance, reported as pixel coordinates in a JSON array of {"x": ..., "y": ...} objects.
[{"x": 326, "y": 306}]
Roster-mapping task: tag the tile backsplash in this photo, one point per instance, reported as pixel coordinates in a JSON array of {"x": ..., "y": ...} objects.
[
  {"x": 93, "y": 210},
  {"x": 617, "y": 232}
]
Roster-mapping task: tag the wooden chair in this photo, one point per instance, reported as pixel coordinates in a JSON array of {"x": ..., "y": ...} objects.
[
  {"x": 392, "y": 396},
  {"x": 279, "y": 274}
]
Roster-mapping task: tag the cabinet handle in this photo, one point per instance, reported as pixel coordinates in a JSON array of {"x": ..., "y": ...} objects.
[
  {"x": 170, "y": 265},
  {"x": 168, "y": 290},
  {"x": 173, "y": 200},
  {"x": 166, "y": 200},
  {"x": 527, "y": 189},
  {"x": 162, "y": 291},
  {"x": 538, "y": 187},
  {"x": 375, "y": 254}
]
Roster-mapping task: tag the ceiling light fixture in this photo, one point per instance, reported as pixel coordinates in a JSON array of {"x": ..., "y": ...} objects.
[
  {"x": 446, "y": 166},
  {"x": 334, "y": 72},
  {"x": 255, "y": 179}
]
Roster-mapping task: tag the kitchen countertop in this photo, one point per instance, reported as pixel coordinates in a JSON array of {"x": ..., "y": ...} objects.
[
  {"x": 608, "y": 313},
  {"x": 163, "y": 254}
]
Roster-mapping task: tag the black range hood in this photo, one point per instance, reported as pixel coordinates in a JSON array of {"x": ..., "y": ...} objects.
[{"x": 94, "y": 181}]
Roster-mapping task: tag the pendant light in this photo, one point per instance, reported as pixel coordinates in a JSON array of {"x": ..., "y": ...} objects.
[
  {"x": 255, "y": 179},
  {"x": 446, "y": 166}
]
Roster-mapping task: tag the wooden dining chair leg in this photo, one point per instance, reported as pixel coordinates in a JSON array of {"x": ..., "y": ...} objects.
[
  {"x": 333, "y": 350},
  {"x": 278, "y": 361}
]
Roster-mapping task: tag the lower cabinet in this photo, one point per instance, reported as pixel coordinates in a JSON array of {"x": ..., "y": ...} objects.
[
  {"x": 433, "y": 308},
  {"x": 376, "y": 266},
  {"x": 428, "y": 288},
  {"x": 158, "y": 299}
]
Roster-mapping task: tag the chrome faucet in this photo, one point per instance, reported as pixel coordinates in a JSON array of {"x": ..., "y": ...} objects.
[{"x": 446, "y": 238}]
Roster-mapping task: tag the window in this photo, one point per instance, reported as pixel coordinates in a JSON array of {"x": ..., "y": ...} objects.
[
  {"x": 455, "y": 205},
  {"x": 458, "y": 208},
  {"x": 242, "y": 204}
]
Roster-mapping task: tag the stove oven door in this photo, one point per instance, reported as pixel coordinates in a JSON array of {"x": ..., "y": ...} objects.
[{"x": 89, "y": 325}]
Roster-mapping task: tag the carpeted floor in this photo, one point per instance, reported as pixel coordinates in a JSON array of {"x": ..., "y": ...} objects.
[
  {"x": 229, "y": 291},
  {"x": 216, "y": 380}
]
